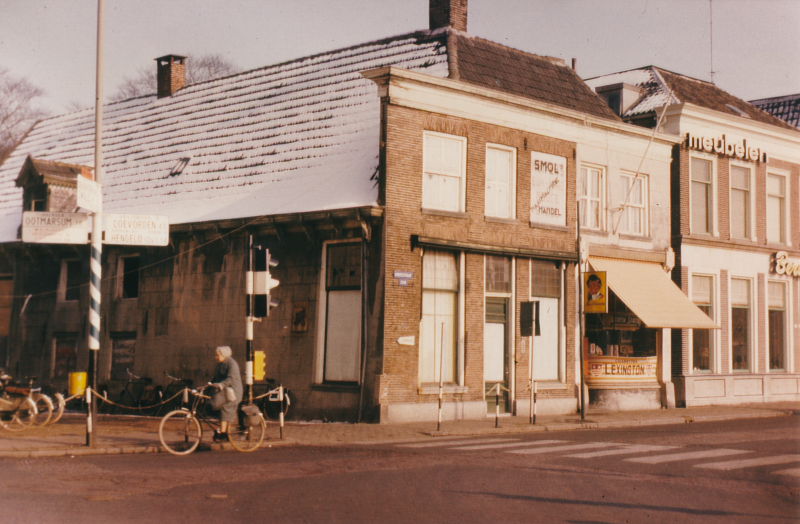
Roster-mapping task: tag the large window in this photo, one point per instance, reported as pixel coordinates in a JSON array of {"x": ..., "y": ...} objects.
[
  {"x": 128, "y": 277},
  {"x": 500, "y": 182},
  {"x": 777, "y": 326},
  {"x": 703, "y": 339},
  {"x": 444, "y": 171},
  {"x": 590, "y": 197},
  {"x": 437, "y": 343},
  {"x": 342, "y": 360},
  {"x": 702, "y": 199},
  {"x": 740, "y": 202},
  {"x": 633, "y": 201},
  {"x": 69, "y": 284},
  {"x": 123, "y": 353},
  {"x": 740, "y": 324},
  {"x": 776, "y": 209}
]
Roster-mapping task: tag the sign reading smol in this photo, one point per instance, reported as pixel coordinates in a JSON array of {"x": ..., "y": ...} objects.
[{"x": 548, "y": 189}]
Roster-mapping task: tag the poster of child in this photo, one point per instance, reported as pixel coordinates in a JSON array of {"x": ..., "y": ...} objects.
[{"x": 595, "y": 292}]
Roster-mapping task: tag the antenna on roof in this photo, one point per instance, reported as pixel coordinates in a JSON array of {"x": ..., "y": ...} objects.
[{"x": 711, "y": 33}]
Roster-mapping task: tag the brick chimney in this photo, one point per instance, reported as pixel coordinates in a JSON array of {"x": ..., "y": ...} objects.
[
  {"x": 171, "y": 74},
  {"x": 444, "y": 13}
]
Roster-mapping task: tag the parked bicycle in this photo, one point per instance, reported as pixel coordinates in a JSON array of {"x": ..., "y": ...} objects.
[
  {"x": 44, "y": 405},
  {"x": 131, "y": 395},
  {"x": 17, "y": 410},
  {"x": 180, "y": 431},
  {"x": 164, "y": 399},
  {"x": 271, "y": 406}
]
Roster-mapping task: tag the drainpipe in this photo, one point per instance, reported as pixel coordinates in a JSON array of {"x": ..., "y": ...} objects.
[{"x": 364, "y": 329}]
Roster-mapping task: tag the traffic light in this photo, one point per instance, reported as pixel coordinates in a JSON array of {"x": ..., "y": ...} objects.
[
  {"x": 263, "y": 282},
  {"x": 258, "y": 365}
]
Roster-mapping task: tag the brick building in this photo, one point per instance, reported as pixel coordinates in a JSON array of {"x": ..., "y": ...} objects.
[
  {"x": 416, "y": 191},
  {"x": 735, "y": 232}
]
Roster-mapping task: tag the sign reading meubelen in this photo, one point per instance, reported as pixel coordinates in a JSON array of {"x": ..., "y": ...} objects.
[{"x": 548, "y": 189}]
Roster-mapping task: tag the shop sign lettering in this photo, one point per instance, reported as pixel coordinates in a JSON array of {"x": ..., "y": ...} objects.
[
  {"x": 549, "y": 189},
  {"x": 615, "y": 368},
  {"x": 723, "y": 147},
  {"x": 786, "y": 266}
]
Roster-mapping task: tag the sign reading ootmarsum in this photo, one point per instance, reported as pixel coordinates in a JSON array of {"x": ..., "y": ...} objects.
[
  {"x": 136, "y": 230},
  {"x": 548, "y": 189},
  {"x": 54, "y": 228}
]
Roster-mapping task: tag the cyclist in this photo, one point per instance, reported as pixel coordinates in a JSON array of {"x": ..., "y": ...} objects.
[{"x": 226, "y": 375}]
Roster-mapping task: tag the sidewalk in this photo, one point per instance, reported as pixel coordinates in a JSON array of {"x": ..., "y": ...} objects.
[{"x": 118, "y": 434}]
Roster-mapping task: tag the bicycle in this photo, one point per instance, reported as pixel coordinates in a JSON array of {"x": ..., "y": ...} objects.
[
  {"x": 17, "y": 410},
  {"x": 44, "y": 405},
  {"x": 155, "y": 400},
  {"x": 271, "y": 406},
  {"x": 134, "y": 401},
  {"x": 180, "y": 431}
]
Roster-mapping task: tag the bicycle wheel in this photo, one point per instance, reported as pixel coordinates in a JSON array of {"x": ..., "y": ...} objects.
[
  {"x": 20, "y": 419},
  {"x": 59, "y": 405},
  {"x": 150, "y": 403},
  {"x": 247, "y": 438},
  {"x": 179, "y": 432},
  {"x": 44, "y": 409},
  {"x": 272, "y": 408}
]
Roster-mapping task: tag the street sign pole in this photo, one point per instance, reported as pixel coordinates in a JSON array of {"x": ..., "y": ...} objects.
[
  {"x": 97, "y": 239},
  {"x": 249, "y": 322}
]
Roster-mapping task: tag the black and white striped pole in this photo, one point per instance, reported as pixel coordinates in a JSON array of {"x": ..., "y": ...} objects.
[
  {"x": 97, "y": 241},
  {"x": 259, "y": 282}
]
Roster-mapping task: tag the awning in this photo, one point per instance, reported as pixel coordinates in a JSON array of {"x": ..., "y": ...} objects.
[{"x": 647, "y": 290}]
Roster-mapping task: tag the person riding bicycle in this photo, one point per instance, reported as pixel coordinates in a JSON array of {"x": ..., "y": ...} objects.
[{"x": 227, "y": 378}]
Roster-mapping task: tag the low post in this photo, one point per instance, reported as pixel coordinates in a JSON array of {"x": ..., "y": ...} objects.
[
  {"x": 89, "y": 434},
  {"x": 441, "y": 373},
  {"x": 533, "y": 401},
  {"x": 497, "y": 406},
  {"x": 280, "y": 399}
]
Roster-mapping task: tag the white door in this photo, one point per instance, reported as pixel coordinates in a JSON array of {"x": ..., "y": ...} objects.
[
  {"x": 343, "y": 344},
  {"x": 545, "y": 346},
  {"x": 494, "y": 353}
]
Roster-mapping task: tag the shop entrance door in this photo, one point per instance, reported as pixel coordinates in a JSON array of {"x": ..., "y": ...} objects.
[
  {"x": 495, "y": 351},
  {"x": 545, "y": 344}
]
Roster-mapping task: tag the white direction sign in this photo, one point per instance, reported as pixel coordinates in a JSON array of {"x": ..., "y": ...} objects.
[
  {"x": 89, "y": 194},
  {"x": 136, "y": 230},
  {"x": 54, "y": 228}
]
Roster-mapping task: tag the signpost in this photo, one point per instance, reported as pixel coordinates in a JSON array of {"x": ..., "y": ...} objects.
[
  {"x": 136, "y": 230},
  {"x": 90, "y": 196},
  {"x": 40, "y": 227}
]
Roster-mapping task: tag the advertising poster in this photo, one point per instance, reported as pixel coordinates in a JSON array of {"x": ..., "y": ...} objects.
[
  {"x": 548, "y": 189},
  {"x": 595, "y": 292}
]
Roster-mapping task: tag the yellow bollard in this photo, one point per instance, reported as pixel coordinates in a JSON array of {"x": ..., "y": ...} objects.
[{"x": 77, "y": 383}]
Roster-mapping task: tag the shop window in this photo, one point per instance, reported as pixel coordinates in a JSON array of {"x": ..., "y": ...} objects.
[
  {"x": 777, "y": 325},
  {"x": 545, "y": 279},
  {"x": 633, "y": 201},
  {"x": 437, "y": 345},
  {"x": 619, "y": 333},
  {"x": 500, "y": 181},
  {"x": 740, "y": 202},
  {"x": 590, "y": 197},
  {"x": 65, "y": 354},
  {"x": 444, "y": 172},
  {"x": 69, "y": 283},
  {"x": 740, "y": 324},
  {"x": 498, "y": 275},
  {"x": 702, "y": 208},
  {"x": 703, "y": 339},
  {"x": 123, "y": 351},
  {"x": 776, "y": 209},
  {"x": 342, "y": 355},
  {"x": 128, "y": 277}
]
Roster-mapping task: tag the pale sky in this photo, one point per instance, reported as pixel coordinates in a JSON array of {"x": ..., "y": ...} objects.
[{"x": 756, "y": 51}]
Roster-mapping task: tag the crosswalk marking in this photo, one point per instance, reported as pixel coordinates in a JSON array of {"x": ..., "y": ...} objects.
[
  {"x": 509, "y": 445},
  {"x": 633, "y": 448},
  {"x": 794, "y": 472},
  {"x": 456, "y": 443},
  {"x": 564, "y": 448},
  {"x": 689, "y": 455},
  {"x": 751, "y": 463}
]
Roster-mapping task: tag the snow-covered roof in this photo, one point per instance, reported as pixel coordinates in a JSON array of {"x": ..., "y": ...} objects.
[
  {"x": 787, "y": 108},
  {"x": 295, "y": 137}
]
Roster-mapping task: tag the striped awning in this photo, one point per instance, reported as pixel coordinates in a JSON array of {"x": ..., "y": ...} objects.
[{"x": 647, "y": 290}]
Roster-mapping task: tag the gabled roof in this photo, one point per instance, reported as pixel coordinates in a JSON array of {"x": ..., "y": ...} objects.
[
  {"x": 787, "y": 108},
  {"x": 48, "y": 172},
  {"x": 296, "y": 137},
  {"x": 661, "y": 87}
]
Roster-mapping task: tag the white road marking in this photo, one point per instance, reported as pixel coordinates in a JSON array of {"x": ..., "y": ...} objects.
[
  {"x": 509, "y": 445},
  {"x": 794, "y": 472},
  {"x": 633, "y": 448},
  {"x": 457, "y": 443},
  {"x": 751, "y": 463},
  {"x": 689, "y": 455},
  {"x": 564, "y": 448}
]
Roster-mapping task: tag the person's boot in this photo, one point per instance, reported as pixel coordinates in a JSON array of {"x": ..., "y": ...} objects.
[{"x": 220, "y": 437}]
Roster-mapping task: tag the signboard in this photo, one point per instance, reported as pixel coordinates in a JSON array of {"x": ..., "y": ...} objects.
[
  {"x": 785, "y": 265},
  {"x": 55, "y": 228},
  {"x": 615, "y": 369},
  {"x": 403, "y": 277},
  {"x": 90, "y": 196},
  {"x": 548, "y": 189},
  {"x": 595, "y": 292},
  {"x": 136, "y": 230}
]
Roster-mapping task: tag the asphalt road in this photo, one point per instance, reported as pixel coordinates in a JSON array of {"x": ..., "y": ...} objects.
[{"x": 737, "y": 471}]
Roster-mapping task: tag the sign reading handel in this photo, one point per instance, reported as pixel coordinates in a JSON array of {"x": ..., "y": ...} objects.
[
  {"x": 548, "y": 189},
  {"x": 54, "y": 228},
  {"x": 136, "y": 230}
]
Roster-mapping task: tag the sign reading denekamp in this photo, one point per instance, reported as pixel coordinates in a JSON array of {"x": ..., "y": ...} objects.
[
  {"x": 548, "y": 189},
  {"x": 54, "y": 228},
  {"x": 136, "y": 230}
]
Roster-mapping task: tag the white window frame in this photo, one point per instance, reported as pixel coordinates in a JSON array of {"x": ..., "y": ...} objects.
[
  {"x": 785, "y": 219},
  {"x": 601, "y": 198},
  {"x": 322, "y": 312},
  {"x": 510, "y": 295},
  {"x": 715, "y": 358},
  {"x": 118, "y": 285},
  {"x": 512, "y": 181},
  {"x": 752, "y": 348},
  {"x": 788, "y": 342},
  {"x": 63, "y": 279},
  {"x": 714, "y": 184},
  {"x": 644, "y": 207},
  {"x": 461, "y": 177},
  {"x": 751, "y": 217}
]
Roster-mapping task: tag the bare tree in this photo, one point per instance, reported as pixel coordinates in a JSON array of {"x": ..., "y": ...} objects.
[
  {"x": 200, "y": 69},
  {"x": 18, "y": 111}
]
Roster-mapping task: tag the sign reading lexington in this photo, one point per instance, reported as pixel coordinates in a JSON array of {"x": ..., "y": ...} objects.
[
  {"x": 137, "y": 230},
  {"x": 548, "y": 189}
]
